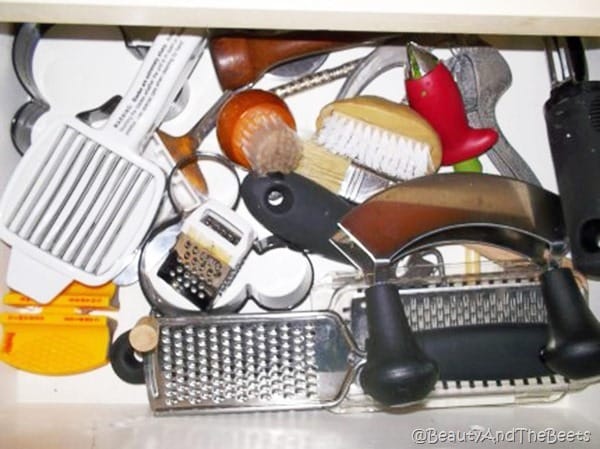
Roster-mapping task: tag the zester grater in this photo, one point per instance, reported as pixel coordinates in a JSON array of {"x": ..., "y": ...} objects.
[
  {"x": 81, "y": 199},
  {"x": 212, "y": 245}
]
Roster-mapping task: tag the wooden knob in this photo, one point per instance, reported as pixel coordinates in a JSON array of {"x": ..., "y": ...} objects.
[{"x": 144, "y": 335}]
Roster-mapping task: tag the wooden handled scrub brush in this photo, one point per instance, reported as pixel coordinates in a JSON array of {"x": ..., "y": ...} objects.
[{"x": 362, "y": 145}]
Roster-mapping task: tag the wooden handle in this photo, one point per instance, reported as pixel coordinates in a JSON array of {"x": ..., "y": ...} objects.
[
  {"x": 240, "y": 60},
  {"x": 144, "y": 335},
  {"x": 179, "y": 148}
]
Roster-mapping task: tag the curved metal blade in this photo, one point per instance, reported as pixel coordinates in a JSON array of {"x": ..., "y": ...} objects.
[{"x": 452, "y": 208}]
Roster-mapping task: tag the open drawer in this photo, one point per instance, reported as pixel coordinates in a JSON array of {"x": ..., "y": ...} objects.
[{"x": 96, "y": 409}]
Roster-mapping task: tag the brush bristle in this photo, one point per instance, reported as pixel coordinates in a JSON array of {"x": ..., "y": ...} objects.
[
  {"x": 323, "y": 167},
  {"x": 383, "y": 151},
  {"x": 270, "y": 145}
]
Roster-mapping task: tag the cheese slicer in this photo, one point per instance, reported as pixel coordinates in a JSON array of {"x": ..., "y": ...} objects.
[{"x": 82, "y": 199}]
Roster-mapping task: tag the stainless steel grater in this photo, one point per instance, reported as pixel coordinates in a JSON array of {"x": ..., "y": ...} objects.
[
  {"x": 435, "y": 307},
  {"x": 250, "y": 362},
  {"x": 210, "y": 249},
  {"x": 284, "y": 361}
]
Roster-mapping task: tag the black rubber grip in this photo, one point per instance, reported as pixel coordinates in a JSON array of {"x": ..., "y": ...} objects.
[
  {"x": 297, "y": 210},
  {"x": 573, "y": 122},
  {"x": 573, "y": 348},
  {"x": 124, "y": 362},
  {"x": 487, "y": 352},
  {"x": 397, "y": 371}
]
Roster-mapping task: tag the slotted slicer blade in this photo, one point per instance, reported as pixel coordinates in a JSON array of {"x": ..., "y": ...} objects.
[
  {"x": 73, "y": 210},
  {"x": 246, "y": 362},
  {"x": 82, "y": 199}
]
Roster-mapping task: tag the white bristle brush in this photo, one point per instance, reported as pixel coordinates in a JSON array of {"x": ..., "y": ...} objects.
[
  {"x": 389, "y": 138},
  {"x": 362, "y": 145}
]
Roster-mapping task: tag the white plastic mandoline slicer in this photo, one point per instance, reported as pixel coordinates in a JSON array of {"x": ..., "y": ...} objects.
[{"x": 81, "y": 199}]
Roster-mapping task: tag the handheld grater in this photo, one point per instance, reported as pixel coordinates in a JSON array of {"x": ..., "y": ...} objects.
[{"x": 210, "y": 248}]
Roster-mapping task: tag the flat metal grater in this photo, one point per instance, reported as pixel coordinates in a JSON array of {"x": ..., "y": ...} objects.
[
  {"x": 250, "y": 362},
  {"x": 436, "y": 307},
  {"x": 212, "y": 245}
]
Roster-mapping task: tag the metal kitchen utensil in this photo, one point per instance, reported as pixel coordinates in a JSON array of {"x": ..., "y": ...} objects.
[
  {"x": 289, "y": 361},
  {"x": 25, "y": 41},
  {"x": 81, "y": 199},
  {"x": 452, "y": 207},
  {"x": 250, "y": 362},
  {"x": 209, "y": 251},
  {"x": 274, "y": 278},
  {"x": 483, "y": 76},
  {"x": 481, "y": 86}
]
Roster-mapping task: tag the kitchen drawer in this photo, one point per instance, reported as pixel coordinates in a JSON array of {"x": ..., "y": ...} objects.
[{"x": 98, "y": 410}]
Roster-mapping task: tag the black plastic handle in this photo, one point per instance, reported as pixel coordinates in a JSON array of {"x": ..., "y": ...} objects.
[
  {"x": 573, "y": 348},
  {"x": 397, "y": 371},
  {"x": 297, "y": 210},
  {"x": 124, "y": 361},
  {"x": 573, "y": 122},
  {"x": 487, "y": 352}
]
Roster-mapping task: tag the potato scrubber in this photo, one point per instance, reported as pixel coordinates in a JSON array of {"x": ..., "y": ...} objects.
[{"x": 82, "y": 199}]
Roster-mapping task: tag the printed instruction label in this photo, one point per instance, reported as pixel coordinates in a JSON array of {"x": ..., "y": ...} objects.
[{"x": 143, "y": 102}]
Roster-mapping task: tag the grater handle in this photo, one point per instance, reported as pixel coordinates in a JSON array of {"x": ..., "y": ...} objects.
[
  {"x": 167, "y": 65},
  {"x": 573, "y": 348},
  {"x": 397, "y": 371}
]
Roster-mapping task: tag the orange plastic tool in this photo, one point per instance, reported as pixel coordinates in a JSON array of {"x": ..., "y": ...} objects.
[{"x": 63, "y": 338}]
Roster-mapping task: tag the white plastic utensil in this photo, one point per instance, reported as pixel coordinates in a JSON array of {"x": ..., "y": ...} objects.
[{"x": 81, "y": 199}]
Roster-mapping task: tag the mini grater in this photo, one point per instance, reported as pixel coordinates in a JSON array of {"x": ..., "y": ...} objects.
[
  {"x": 250, "y": 362},
  {"x": 213, "y": 243}
]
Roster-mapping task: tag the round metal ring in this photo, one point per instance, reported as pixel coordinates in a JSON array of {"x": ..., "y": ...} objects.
[{"x": 200, "y": 156}]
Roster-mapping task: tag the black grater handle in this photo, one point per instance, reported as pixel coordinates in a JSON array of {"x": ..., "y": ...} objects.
[
  {"x": 124, "y": 362},
  {"x": 397, "y": 371},
  {"x": 573, "y": 348},
  {"x": 487, "y": 351},
  {"x": 297, "y": 210},
  {"x": 573, "y": 123}
]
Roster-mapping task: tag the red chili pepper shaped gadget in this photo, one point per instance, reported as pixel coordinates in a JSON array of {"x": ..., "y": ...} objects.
[{"x": 432, "y": 92}]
